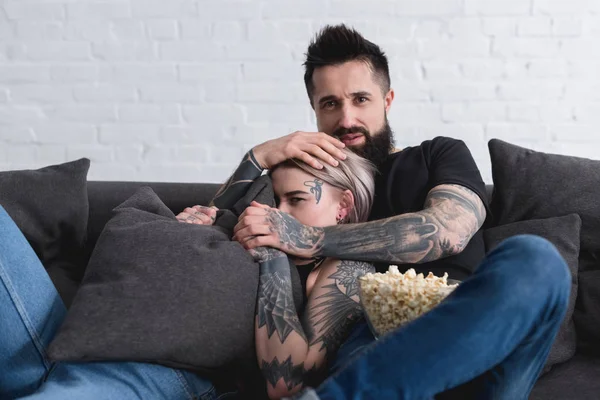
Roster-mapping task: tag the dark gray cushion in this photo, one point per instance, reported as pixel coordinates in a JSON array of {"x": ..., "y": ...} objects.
[
  {"x": 50, "y": 207},
  {"x": 158, "y": 290},
  {"x": 577, "y": 379},
  {"x": 530, "y": 185},
  {"x": 563, "y": 232}
]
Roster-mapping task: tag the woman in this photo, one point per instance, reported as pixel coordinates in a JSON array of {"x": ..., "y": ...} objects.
[{"x": 290, "y": 352}]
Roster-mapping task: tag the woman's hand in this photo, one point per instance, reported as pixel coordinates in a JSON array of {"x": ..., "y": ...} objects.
[
  {"x": 264, "y": 226},
  {"x": 200, "y": 215}
]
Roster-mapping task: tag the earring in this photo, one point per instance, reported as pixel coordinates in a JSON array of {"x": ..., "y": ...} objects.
[{"x": 339, "y": 219}]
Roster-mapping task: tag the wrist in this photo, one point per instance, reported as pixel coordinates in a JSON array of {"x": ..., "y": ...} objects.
[{"x": 258, "y": 157}]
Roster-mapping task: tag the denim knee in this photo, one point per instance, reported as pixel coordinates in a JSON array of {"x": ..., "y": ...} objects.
[{"x": 536, "y": 260}]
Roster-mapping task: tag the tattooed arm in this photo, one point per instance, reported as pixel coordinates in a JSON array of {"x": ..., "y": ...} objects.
[
  {"x": 237, "y": 185},
  {"x": 451, "y": 216},
  {"x": 292, "y": 353}
]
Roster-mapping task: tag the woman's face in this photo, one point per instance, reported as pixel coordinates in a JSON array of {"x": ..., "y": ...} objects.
[{"x": 311, "y": 201}]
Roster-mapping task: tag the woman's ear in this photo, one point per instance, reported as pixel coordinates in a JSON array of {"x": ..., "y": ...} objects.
[{"x": 346, "y": 205}]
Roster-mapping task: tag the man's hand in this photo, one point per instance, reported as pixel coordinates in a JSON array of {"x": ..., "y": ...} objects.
[
  {"x": 313, "y": 148},
  {"x": 200, "y": 215},
  {"x": 260, "y": 225}
]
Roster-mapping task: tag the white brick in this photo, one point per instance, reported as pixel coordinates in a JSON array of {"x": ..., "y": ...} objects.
[
  {"x": 163, "y": 9},
  {"x": 463, "y": 92},
  {"x": 523, "y": 113},
  {"x": 469, "y": 133},
  {"x": 574, "y": 133},
  {"x": 38, "y": 10},
  {"x": 257, "y": 51},
  {"x": 531, "y": 92},
  {"x": 130, "y": 154},
  {"x": 410, "y": 113},
  {"x": 213, "y": 114},
  {"x": 219, "y": 91},
  {"x": 61, "y": 133},
  {"x": 567, "y": 26},
  {"x": 405, "y": 70},
  {"x": 162, "y": 29},
  {"x": 526, "y": 47},
  {"x": 557, "y": 112},
  {"x": 111, "y": 9},
  {"x": 426, "y": 7},
  {"x": 582, "y": 91},
  {"x": 16, "y": 134},
  {"x": 44, "y": 30},
  {"x": 534, "y": 26},
  {"x": 478, "y": 112},
  {"x": 258, "y": 71},
  {"x": 20, "y": 115},
  {"x": 113, "y": 171},
  {"x": 590, "y": 25},
  {"x": 195, "y": 29},
  {"x": 229, "y": 10},
  {"x": 3, "y": 95},
  {"x": 190, "y": 51},
  {"x": 104, "y": 93},
  {"x": 402, "y": 30},
  {"x": 499, "y": 26},
  {"x": 411, "y": 92},
  {"x": 580, "y": 49},
  {"x": 195, "y": 134},
  {"x": 87, "y": 30},
  {"x": 274, "y": 113},
  {"x": 173, "y": 173},
  {"x": 136, "y": 73},
  {"x": 511, "y": 131},
  {"x": 95, "y": 153},
  {"x": 208, "y": 72},
  {"x": 12, "y": 51},
  {"x": 440, "y": 71},
  {"x": 308, "y": 9},
  {"x": 49, "y": 154},
  {"x": 495, "y": 7},
  {"x": 373, "y": 9},
  {"x": 41, "y": 94},
  {"x": 265, "y": 92},
  {"x": 483, "y": 70},
  {"x": 544, "y": 69},
  {"x": 581, "y": 149},
  {"x": 129, "y": 134},
  {"x": 169, "y": 93},
  {"x": 18, "y": 153},
  {"x": 476, "y": 46},
  {"x": 227, "y": 31},
  {"x": 589, "y": 113},
  {"x": 558, "y": 7},
  {"x": 464, "y": 27},
  {"x": 7, "y": 30},
  {"x": 73, "y": 72},
  {"x": 577, "y": 69},
  {"x": 57, "y": 51},
  {"x": 127, "y": 30},
  {"x": 146, "y": 113},
  {"x": 96, "y": 114},
  {"x": 123, "y": 51}
]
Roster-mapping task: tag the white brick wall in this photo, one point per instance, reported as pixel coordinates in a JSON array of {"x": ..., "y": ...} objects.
[{"x": 177, "y": 90}]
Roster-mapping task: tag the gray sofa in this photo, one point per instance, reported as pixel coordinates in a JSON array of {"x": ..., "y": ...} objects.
[{"x": 578, "y": 378}]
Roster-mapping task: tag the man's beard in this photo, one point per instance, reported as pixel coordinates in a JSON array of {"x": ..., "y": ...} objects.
[{"x": 377, "y": 147}]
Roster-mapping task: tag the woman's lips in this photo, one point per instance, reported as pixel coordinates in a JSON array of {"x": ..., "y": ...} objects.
[{"x": 351, "y": 139}]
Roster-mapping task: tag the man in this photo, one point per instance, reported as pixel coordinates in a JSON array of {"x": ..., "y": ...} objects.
[{"x": 491, "y": 337}]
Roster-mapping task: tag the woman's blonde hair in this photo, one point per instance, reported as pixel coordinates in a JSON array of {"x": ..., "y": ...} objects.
[{"x": 355, "y": 173}]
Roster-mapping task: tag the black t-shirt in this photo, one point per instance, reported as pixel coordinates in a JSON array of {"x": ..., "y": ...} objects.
[{"x": 405, "y": 179}]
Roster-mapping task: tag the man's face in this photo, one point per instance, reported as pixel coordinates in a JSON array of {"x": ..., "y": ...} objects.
[{"x": 349, "y": 105}]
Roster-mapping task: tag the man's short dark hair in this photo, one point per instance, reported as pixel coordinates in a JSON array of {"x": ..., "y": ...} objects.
[{"x": 338, "y": 44}]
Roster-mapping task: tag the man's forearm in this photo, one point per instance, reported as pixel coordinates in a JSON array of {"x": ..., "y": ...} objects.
[{"x": 237, "y": 185}]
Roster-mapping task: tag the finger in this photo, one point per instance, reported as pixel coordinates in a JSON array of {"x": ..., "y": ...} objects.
[
  {"x": 248, "y": 221},
  {"x": 210, "y": 211},
  {"x": 260, "y": 241},
  {"x": 331, "y": 149},
  {"x": 203, "y": 218},
  {"x": 256, "y": 204},
  {"x": 334, "y": 141},
  {"x": 322, "y": 155},
  {"x": 307, "y": 158},
  {"x": 248, "y": 232}
]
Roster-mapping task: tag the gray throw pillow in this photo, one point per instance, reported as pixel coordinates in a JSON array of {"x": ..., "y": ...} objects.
[
  {"x": 530, "y": 184},
  {"x": 50, "y": 206},
  {"x": 158, "y": 290},
  {"x": 562, "y": 232}
]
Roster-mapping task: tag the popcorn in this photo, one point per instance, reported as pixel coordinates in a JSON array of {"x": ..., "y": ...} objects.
[{"x": 393, "y": 299}]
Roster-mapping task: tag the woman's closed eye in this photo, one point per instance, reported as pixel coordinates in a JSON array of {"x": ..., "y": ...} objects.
[{"x": 295, "y": 200}]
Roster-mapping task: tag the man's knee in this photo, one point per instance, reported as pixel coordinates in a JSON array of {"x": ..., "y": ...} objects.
[{"x": 535, "y": 259}]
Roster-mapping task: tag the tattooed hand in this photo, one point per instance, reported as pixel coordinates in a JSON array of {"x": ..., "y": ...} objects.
[
  {"x": 260, "y": 225},
  {"x": 263, "y": 254}
]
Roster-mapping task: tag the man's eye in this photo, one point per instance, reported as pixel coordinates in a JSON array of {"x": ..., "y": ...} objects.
[
  {"x": 362, "y": 99},
  {"x": 329, "y": 104}
]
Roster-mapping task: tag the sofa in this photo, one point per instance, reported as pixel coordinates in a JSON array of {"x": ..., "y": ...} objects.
[
  {"x": 579, "y": 378},
  {"x": 70, "y": 210}
]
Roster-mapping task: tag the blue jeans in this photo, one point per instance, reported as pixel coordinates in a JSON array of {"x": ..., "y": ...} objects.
[
  {"x": 31, "y": 312},
  {"x": 488, "y": 340}
]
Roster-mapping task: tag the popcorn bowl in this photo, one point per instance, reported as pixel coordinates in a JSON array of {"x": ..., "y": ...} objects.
[{"x": 393, "y": 299}]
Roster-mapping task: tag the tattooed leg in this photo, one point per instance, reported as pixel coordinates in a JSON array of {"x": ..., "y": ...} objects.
[{"x": 237, "y": 185}]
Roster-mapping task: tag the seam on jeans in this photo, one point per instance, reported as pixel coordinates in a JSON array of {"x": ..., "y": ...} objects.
[
  {"x": 12, "y": 293},
  {"x": 186, "y": 386}
]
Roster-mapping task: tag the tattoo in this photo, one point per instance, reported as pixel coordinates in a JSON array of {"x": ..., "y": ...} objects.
[
  {"x": 292, "y": 375},
  {"x": 275, "y": 304},
  {"x": 237, "y": 185},
  {"x": 263, "y": 254},
  {"x": 291, "y": 232},
  {"x": 452, "y": 215},
  {"x": 337, "y": 311},
  {"x": 316, "y": 187}
]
